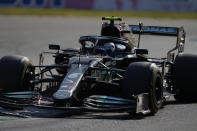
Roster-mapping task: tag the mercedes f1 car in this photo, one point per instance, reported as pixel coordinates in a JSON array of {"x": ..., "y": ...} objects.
[{"x": 108, "y": 73}]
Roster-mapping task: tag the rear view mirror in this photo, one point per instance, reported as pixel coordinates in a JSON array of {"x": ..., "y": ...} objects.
[
  {"x": 54, "y": 47},
  {"x": 141, "y": 51}
]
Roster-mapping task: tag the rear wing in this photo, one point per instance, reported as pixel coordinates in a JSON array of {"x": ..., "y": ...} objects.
[
  {"x": 155, "y": 30},
  {"x": 163, "y": 31}
]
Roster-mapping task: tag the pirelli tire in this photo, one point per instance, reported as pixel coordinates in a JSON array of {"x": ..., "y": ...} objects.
[
  {"x": 15, "y": 73},
  {"x": 144, "y": 77},
  {"x": 184, "y": 77}
]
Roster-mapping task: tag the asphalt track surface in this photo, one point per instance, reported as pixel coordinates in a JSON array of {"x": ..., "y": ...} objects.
[{"x": 29, "y": 36}]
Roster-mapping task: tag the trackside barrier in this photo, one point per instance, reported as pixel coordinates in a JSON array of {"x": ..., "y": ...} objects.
[{"x": 153, "y": 5}]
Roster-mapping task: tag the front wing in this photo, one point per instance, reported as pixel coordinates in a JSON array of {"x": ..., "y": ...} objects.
[{"x": 95, "y": 103}]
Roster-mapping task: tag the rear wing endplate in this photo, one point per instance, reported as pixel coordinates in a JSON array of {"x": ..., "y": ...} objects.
[{"x": 163, "y": 31}]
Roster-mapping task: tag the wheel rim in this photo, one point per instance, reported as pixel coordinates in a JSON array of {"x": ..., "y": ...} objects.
[
  {"x": 28, "y": 76},
  {"x": 158, "y": 91}
]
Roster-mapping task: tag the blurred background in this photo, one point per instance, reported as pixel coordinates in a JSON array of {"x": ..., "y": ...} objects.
[
  {"x": 28, "y": 26},
  {"x": 26, "y": 29},
  {"x": 134, "y": 5}
]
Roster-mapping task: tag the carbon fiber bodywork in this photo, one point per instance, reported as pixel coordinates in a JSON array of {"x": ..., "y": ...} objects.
[{"x": 90, "y": 79}]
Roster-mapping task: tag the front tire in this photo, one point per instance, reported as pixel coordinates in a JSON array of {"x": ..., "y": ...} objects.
[
  {"x": 144, "y": 77},
  {"x": 15, "y": 73}
]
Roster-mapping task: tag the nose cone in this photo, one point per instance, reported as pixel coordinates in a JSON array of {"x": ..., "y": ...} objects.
[{"x": 62, "y": 95}]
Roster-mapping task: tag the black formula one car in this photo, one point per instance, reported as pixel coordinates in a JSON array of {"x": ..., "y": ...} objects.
[{"x": 108, "y": 73}]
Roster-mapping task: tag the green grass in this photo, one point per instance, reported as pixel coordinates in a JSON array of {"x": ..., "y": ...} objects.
[{"x": 95, "y": 13}]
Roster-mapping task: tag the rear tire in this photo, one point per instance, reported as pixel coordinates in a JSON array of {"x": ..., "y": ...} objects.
[
  {"x": 144, "y": 77},
  {"x": 184, "y": 77},
  {"x": 15, "y": 73}
]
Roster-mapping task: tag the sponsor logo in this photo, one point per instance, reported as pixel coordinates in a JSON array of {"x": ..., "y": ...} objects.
[{"x": 34, "y": 3}]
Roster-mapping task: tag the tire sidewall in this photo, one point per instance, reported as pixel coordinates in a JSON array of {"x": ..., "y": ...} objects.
[{"x": 155, "y": 104}]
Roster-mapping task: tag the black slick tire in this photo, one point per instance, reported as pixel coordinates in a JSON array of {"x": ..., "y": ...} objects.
[
  {"x": 184, "y": 77},
  {"x": 144, "y": 77},
  {"x": 14, "y": 73}
]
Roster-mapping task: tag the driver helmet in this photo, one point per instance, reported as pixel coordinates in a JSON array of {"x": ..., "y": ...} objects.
[
  {"x": 110, "y": 48},
  {"x": 106, "y": 49}
]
